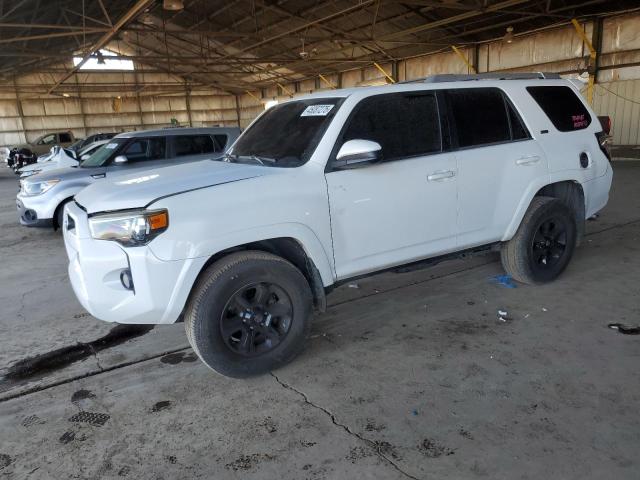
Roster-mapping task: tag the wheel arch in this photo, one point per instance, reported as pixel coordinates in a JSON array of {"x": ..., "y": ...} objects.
[
  {"x": 568, "y": 191},
  {"x": 61, "y": 205},
  {"x": 291, "y": 250}
]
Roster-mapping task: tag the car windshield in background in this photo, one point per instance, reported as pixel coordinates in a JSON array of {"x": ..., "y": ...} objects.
[
  {"x": 286, "y": 135},
  {"x": 101, "y": 156}
]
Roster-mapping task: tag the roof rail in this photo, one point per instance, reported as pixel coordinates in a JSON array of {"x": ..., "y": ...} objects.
[{"x": 453, "y": 77}]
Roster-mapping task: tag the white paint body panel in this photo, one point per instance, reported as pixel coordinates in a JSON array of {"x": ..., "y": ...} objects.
[{"x": 349, "y": 222}]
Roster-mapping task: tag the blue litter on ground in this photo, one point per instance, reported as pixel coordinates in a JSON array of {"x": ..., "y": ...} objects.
[{"x": 504, "y": 280}]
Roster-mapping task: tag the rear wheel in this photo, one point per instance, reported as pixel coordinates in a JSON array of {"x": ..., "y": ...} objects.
[
  {"x": 249, "y": 313},
  {"x": 544, "y": 243}
]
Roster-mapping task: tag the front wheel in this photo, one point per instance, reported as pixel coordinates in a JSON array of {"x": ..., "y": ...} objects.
[
  {"x": 544, "y": 243},
  {"x": 249, "y": 313}
]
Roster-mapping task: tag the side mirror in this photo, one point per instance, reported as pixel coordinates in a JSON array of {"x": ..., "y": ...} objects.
[
  {"x": 358, "y": 153},
  {"x": 120, "y": 160},
  {"x": 85, "y": 156}
]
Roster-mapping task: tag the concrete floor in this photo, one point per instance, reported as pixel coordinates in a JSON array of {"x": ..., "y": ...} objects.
[{"x": 411, "y": 375}]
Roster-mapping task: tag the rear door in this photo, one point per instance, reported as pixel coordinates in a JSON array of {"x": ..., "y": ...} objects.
[
  {"x": 404, "y": 208},
  {"x": 497, "y": 161}
]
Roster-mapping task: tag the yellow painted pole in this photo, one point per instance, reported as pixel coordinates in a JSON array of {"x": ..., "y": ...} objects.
[
  {"x": 592, "y": 55},
  {"x": 284, "y": 89},
  {"x": 324, "y": 79},
  {"x": 389, "y": 77},
  {"x": 463, "y": 58},
  {"x": 253, "y": 96}
]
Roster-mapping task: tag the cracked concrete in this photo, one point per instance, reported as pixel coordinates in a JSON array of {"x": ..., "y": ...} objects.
[{"x": 410, "y": 375}]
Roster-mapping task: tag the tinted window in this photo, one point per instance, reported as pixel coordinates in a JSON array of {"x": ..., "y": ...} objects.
[
  {"x": 142, "y": 149},
  {"x": 404, "y": 125},
  {"x": 220, "y": 142},
  {"x": 562, "y": 106},
  {"x": 518, "y": 130},
  {"x": 194, "y": 145},
  {"x": 48, "y": 140},
  {"x": 65, "y": 138},
  {"x": 479, "y": 116},
  {"x": 287, "y": 134}
]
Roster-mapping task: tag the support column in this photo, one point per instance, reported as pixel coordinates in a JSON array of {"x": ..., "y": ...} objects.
[
  {"x": 238, "y": 110},
  {"x": 20, "y": 111},
  {"x": 187, "y": 91},
  {"x": 84, "y": 117}
]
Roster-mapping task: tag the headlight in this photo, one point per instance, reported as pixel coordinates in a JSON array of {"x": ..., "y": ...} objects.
[
  {"x": 28, "y": 173},
  {"x": 130, "y": 228},
  {"x": 37, "y": 188}
]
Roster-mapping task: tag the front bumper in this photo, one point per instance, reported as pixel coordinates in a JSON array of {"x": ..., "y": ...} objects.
[
  {"x": 29, "y": 217},
  {"x": 160, "y": 288},
  {"x": 36, "y": 210}
]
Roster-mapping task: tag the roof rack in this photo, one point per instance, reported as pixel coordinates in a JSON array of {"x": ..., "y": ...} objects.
[{"x": 453, "y": 77}]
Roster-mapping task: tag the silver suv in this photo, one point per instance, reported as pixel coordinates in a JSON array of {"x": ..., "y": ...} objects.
[{"x": 42, "y": 197}]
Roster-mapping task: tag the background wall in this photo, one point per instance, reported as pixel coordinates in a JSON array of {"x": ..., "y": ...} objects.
[{"x": 149, "y": 99}]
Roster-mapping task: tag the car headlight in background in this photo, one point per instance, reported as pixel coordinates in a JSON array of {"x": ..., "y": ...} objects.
[
  {"x": 130, "y": 228},
  {"x": 37, "y": 188},
  {"x": 28, "y": 173}
]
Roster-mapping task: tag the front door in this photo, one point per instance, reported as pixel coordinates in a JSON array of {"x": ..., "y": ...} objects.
[{"x": 401, "y": 209}]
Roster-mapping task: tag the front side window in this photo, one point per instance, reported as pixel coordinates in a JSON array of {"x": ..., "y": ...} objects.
[
  {"x": 48, "y": 140},
  {"x": 193, "y": 145},
  {"x": 143, "y": 149},
  {"x": 404, "y": 124},
  {"x": 103, "y": 155},
  {"x": 562, "y": 107},
  {"x": 479, "y": 116},
  {"x": 286, "y": 135}
]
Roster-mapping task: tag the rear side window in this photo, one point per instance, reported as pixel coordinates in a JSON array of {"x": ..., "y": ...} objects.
[
  {"x": 194, "y": 145},
  {"x": 479, "y": 116},
  {"x": 142, "y": 149},
  {"x": 562, "y": 106},
  {"x": 65, "y": 138},
  {"x": 404, "y": 125}
]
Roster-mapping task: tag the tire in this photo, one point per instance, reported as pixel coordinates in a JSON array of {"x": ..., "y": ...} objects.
[
  {"x": 225, "y": 319},
  {"x": 59, "y": 216},
  {"x": 543, "y": 244}
]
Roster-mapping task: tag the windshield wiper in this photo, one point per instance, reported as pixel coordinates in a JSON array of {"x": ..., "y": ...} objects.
[{"x": 259, "y": 159}]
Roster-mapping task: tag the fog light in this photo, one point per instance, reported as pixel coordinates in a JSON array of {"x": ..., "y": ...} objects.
[{"x": 126, "y": 279}]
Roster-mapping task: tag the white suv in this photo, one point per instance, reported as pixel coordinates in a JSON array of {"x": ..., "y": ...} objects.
[{"x": 335, "y": 185}]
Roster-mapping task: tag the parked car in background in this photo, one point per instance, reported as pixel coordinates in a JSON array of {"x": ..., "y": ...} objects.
[
  {"x": 42, "y": 196},
  {"x": 43, "y": 143},
  {"x": 96, "y": 137},
  {"x": 61, "y": 158},
  {"x": 340, "y": 184}
]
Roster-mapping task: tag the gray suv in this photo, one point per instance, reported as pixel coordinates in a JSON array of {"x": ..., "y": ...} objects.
[{"x": 42, "y": 197}]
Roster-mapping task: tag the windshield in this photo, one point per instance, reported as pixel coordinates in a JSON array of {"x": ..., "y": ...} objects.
[
  {"x": 101, "y": 156},
  {"x": 286, "y": 135}
]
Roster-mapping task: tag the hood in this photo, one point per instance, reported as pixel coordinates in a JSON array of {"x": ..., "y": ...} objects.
[
  {"x": 65, "y": 174},
  {"x": 60, "y": 160},
  {"x": 139, "y": 189}
]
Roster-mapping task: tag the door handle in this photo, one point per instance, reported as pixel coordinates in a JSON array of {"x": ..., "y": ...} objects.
[
  {"x": 528, "y": 160},
  {"x": 436, "y": 176},
  {"x": 99, "y": 175}
]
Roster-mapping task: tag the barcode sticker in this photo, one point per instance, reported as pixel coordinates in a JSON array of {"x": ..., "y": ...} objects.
[{"x": 316, "y": 111}]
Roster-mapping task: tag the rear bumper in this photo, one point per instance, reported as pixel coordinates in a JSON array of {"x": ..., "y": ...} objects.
[
  {"x": 596, "y": 192},
  {"x": 160, "y": 288}
]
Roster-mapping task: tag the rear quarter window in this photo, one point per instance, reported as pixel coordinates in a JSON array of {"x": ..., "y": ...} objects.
[{"x": 562, "y": 106}]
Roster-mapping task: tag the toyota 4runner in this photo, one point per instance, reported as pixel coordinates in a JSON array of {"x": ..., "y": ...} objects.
[{"x": 335, "y": 185}]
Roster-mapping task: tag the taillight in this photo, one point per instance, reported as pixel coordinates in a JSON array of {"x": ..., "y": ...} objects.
[
  {"x": 603, "y": 141},
  {"x": 605, "y": 121}
]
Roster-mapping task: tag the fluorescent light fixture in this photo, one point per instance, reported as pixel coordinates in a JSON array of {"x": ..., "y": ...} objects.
[{"x": 102, "y": 62}]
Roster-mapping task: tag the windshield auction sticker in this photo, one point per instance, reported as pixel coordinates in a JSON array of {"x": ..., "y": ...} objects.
[
  {"x": 316, "y": 111},
  {"x": 111, "y": 146}
]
